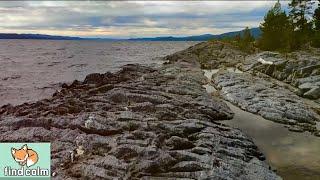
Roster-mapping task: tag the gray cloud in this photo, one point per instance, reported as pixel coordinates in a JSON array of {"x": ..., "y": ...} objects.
[{"x": 129, "y": 18}]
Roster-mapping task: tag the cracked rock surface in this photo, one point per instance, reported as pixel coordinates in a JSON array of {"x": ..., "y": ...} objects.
[
  {"x": 138, "y": 123},
  {"x": 283, "y": 88},
  {"x": 263, "y": 96},
  {"x": 300, "y": 69},
  {"x": 210, "y": 55}
]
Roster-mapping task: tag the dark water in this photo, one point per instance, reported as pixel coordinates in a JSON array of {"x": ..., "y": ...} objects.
[
  {"x": 34, "y": 69},
  {"x": 295, "y": 156}
]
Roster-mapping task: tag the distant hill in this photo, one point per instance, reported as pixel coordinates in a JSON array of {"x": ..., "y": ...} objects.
[
  {"x": 256, "y": 32},
  {"x": 35, "y": 36},
  {"x": 204, "y": 37}
]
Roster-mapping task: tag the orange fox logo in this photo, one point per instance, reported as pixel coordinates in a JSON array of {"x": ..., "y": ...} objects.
[{"x": 24, "y": 156}]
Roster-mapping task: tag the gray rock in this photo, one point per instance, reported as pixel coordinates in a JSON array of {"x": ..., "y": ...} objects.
[
  {"x": 270, "y": 100},
  {"x": 314, "y": 93},
  {"x": 122, "y": 126},
  {"x": 309, "y": 79},
  {"x": 178, "y": 143},
  {"x": 210, "y": 55},
  {"x": 306, "y": 86},
  {"x": 300, "y": 69}
]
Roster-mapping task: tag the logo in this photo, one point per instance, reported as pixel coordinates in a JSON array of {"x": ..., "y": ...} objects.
[
  {"x": 25, "y": 160},
  {"x": 25, "y": 156}
]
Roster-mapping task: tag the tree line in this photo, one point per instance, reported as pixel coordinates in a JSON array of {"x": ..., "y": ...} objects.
[
  {"x": 292, "y": 31},
  {"x": 285, "y": 32}
]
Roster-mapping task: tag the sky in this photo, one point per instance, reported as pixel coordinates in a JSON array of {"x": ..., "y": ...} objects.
[{"x": 129, "y": 19}]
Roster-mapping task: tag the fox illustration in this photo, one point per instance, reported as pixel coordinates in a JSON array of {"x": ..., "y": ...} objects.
[{"x": 24, "y": 156}]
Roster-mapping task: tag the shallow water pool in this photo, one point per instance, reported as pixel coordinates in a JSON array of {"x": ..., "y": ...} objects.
[{"x": 295, "y": 156}]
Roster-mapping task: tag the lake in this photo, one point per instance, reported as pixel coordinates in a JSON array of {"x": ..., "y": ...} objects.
[{"x": 34, "y": 69}]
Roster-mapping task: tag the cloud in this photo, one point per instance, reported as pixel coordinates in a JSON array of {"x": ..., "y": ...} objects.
[{"x": 130, "y": 18}]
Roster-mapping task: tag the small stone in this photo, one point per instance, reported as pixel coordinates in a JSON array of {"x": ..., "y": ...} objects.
[{"x": 80, "y": 151}]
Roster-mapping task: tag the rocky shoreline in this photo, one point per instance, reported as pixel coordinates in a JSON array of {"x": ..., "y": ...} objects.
[
  {"x": 139, "y": 123},
  {"x": 299, "y": 69},
  {"x": 268, "y": 99},
  {"x": 146, "y": 122},
  {"x": 281, "y": 88}
]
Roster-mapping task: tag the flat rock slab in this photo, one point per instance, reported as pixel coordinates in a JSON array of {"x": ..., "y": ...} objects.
[
  {"x": 264, "y": 97},
  {"x": 138, "y": 123}
]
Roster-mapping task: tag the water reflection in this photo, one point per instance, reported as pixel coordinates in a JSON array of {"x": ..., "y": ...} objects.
[{"x": 293, "y": 155}]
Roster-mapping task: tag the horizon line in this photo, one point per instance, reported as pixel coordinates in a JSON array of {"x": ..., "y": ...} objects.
[{"x": 125, "y": 38}]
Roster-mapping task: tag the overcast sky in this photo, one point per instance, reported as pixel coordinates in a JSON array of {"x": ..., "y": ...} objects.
[{"x": 123, "y": 19}]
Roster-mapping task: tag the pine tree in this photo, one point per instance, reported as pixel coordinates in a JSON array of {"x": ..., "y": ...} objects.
[
  {"x": 276, "y": 30},
  {"x": 247, "y": 37},
  {"x": 300, "y": 10},
  {"x": 245, "y": 42},
  {"x": 316, "y": 19},
  {"x": 316, "y": 36}
]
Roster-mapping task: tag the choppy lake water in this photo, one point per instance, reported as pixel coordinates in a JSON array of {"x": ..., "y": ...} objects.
[{"x": 33, "y": 69}]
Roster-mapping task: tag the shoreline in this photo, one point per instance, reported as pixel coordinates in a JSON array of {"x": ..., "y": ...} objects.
[
  {"x": 253, "y": 88},
  {"x": 41, "y": 67},
  {"x": 151, "y": 122}
]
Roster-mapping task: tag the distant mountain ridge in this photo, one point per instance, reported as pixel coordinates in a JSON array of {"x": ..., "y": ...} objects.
[
  {"x": 256, "y": 32},
  {"x": 36, "y": 36}
]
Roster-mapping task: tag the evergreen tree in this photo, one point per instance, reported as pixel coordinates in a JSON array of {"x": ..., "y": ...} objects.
[
  {"x": 247, "y": 37},
  {"x": 300, "y": 10},
  {"x": 316, "y": 36},
  {"x": 276, "y": 30},
  {"x": 245, "y": 42},
  {"x": 316, "y": 19}
]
